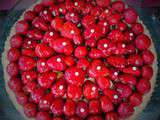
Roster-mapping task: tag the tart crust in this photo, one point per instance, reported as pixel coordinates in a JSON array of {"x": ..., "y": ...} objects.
[{"x": 138, "y": 109}]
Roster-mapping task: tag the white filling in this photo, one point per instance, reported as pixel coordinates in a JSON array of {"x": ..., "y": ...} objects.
[
  {"x": 29, "y": 42},
  {"x": 131, "y": 34},
  {"x": 106, "y": 11},
  {"x": 115, "y": 73},
  {"x": 61, "y": 87},
  {"x": 64, "y": 43},
  {"x": 72, "y": 14},
  {"x": 45, "y": 102},
  {"x": 93, "y": 88},
  {"x": 92, "y": 30},
  {"x": 45, "y": 12},
  {"x": 43, "y": 63},
  {"x": 134, "y": 68},
  {"x": 82, "y": 110},
  {"x": 60, "y": 9},
  {"x": 115, "y": 96},
  {"x": 123, "y": 45},
  {"x": 105, "y": 45},
  {"x": 28, "y": 77},
  {"x": 76, "y": 3},
  {"x": 72, "y": 31},
  {"x": 58, "y": 59},
  {"x": 105, "y": 24},
  {"x": 51, "y": 33},
  {"x": 98, "y": 67},
  {"x": 76, "y": 73}
]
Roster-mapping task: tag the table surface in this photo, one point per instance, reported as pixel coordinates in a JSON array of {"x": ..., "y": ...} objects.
[{"x": 7, "y": 110}]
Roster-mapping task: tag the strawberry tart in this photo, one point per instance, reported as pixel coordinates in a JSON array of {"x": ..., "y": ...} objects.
[{"x": 79, "y": 60}]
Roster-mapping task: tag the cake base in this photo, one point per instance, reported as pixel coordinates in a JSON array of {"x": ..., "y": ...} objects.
[{"x": 12, "y": 97}]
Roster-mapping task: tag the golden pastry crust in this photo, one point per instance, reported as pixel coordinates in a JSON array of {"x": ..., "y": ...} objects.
[{"x": 138, "y": 110}]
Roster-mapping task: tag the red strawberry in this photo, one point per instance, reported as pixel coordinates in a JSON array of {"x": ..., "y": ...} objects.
[
  {"x": 57, "y": 118},
  {"x": 30, "y": 87},
  {"x": 28, "y": 76},
  {"x": 57, "y": 63},
  {"x": 82, "y": 109},
  {"x": 79, "y": 5},
  {"x": 49, "y": 36},
  {"x": 46, "y": 15},
  {"x": 113, "y": 95},
  {"x": 62, "y": 45},
  {"x": 94, "y": 107},
  {"x": 69, "y": 5},
  {"x": 125, "y": 110},
  {"x": 88, "y": 20},
  {"x": 111, "y": 116},
  {"x": 26, "y": 63},
  {"x": 69, "y": 108},
  {"x": 93, "y": 31},
  {"x": 45, "y": 80},
  {"x": 62, "y": 7},
  {"x": 97, "y": 69},
  {"x": 29, "y": 15},
  {"x": 104, "y": 26},
  {"x": 87, "y": 8},
  {"x": 90, "y": 90},
  {"x": 130, "y": 15},
  {"x": 69, "y": 30},
  {"x": 34, "y": 34},
  {"x": 148, "y": 57},
  {"x": 21, "y": 27},
  {"x": 83, "y": 63},
  {"x": 120, "y": 49},
  {"x": 103, "y": 82},
  {"x": 124, "y": 90},
  {"x": 136, "y": 99},
  {"x": 116, "y": 36},
  {"x": 128, "y": 79},
  {"x": 105, "y": 14},
  {"x": 57, "y": 23},
  {"x": 132, "y": 70},
  {"x": 106, "y": 46},
  {"x": 147, "y": 72},
  {"x": 137, "y": 28},
  {"x": 106, "y": 104},
  {"x": 40, "y": 24},
  {"x": 129, "y": 36},
  {"x": 118, "y": 6},
  {"x": 42, "y": 66},
  {"x": 28, "y": 52},
  {"x": 21, "y": 98},
  {"x": 59, "y": 88},
  {"x": 12, "y": 69},
  {"x": 69, "y": 61},
  {"x": 29, "y": 43},
  {"x": 37, "y": 94},
  {"x": 143, "y": 86},
  {"x": 30, "y": 110},
  {"x": 42, "y": 50},
  {"x": 42, "y": 115},
  {"x": 74, "y": 92},
  {"x": 80, "y": 52},
  {"x": 16, "y": 41},
  {"x": 103, "y": 3},
  {"x": 117, "y": 61},
  {"x": 121, "y": 25},
  {"x": 142, "y": 42},
  {"x": 47, "y": 2},
  {"x": 72, "y": 17},
  {"x": 114, "y": 19},
  {"x": 90, "y": 42},
  {"x": 15, "y": 84},
  {"x": 135, "y": 60},
  {"x": 38, "y": 8},
  {"x": 95, "y": 53},
  {"x": 130, "y": 49},
  {"x": 95, "y": 117},
  {"x": 57, "y": 106},
  {"x": 74, "y": 76},
  {"x": 77, "y": 40},
  {"x": 13, "y": 54},
  {"x": 113, "y": 74},
  {"x": 46, "y": 101}
]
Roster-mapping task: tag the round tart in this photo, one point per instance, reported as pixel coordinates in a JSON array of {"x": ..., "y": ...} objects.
[{"x": 79, "y": 60}]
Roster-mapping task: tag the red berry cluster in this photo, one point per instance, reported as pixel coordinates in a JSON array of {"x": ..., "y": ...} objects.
[{"x": 79, "y": 59}]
